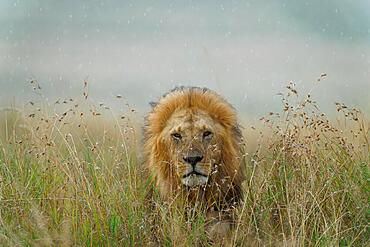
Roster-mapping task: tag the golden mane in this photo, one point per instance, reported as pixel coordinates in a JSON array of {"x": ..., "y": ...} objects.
[{"x": 156, "y": 152}]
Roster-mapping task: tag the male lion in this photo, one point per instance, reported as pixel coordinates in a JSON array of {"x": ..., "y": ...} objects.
[{"x": 193, "y": 147}]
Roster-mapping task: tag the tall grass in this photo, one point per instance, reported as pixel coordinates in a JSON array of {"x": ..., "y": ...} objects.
[{"x": 71, "y": 173}]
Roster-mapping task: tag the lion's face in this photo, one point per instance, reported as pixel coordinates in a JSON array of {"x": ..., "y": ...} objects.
[{"x": 193, "y": 141}]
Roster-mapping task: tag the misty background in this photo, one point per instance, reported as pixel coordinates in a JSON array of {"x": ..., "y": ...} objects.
[{"x": 245, "y": 50}]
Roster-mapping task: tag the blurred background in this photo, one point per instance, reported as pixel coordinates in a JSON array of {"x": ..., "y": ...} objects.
[{"x": 245, "y": 50}]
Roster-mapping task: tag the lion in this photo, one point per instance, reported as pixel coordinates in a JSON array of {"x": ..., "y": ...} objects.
[{"x": 194, "y": 147}]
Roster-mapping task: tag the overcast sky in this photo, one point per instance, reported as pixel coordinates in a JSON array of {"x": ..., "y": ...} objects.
[{"x": 245, "y": 50}]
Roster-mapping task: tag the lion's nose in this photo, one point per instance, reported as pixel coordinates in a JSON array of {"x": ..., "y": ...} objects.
[{"x": 193, "y": 160}]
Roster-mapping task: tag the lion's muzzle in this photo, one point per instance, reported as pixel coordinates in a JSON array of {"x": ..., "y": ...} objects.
[{"x": 194, "y": 175}]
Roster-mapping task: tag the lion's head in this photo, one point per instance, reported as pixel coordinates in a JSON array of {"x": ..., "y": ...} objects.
[{"x": 193, "y": 141}]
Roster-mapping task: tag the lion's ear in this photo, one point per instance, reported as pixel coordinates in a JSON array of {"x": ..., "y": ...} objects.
[{"x": 153, "y": 104}]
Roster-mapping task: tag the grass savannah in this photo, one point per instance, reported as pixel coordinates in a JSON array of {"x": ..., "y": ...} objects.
[{"x": 71, "y": 174}]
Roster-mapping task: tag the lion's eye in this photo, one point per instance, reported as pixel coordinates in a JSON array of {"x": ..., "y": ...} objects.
[
  {"x": 207, "y": 134},
  {"x": 177, "y": 136}
]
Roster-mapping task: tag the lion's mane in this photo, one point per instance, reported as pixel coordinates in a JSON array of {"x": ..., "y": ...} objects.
[{"x": 157, "y": 153}]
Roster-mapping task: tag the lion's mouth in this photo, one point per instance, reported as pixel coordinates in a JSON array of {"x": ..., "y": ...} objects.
[{"x": 194, "y": 173}]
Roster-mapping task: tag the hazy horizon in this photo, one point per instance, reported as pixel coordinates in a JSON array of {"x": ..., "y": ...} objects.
[{"x": 245, "y": 50}]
